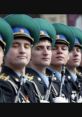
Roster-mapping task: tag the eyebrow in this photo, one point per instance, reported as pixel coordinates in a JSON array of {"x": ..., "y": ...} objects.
[{"x": 17, "y": 42}]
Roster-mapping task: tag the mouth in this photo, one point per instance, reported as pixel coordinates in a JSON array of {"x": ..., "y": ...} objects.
[
  {"x": 76, "y": 60},
  {"x": 46, "y": 59},
  {"x": 22, "y": 57},
  {"x": 59, "y": 57}
]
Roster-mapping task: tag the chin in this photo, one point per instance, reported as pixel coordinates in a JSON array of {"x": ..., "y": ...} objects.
[
  {"x": 76, "y": 65},
  {"x": 60, "y": 63}
]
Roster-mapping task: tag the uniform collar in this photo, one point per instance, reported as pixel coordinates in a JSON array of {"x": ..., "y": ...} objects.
[
  {"x": 39, "y": 74},
  {"x": 73, "y": 75},
  {"x": 56, "y": 73},
  {"x": 9, "y": 71}
]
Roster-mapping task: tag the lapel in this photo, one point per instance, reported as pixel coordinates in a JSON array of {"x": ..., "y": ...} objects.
[
  {"x": 37, "y": 78},
  {"x": 70, "y": 79},
  {"x": 12, "y": 75}
]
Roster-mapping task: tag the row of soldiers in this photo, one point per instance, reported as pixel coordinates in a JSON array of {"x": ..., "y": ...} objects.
[{"x": 40, "y": 61}]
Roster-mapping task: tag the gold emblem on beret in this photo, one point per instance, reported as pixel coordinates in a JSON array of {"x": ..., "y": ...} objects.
[
  {"x": 57, "y": 36},
  {"x": 21, "y": 31},
  {"x": 42, "y": 33}
]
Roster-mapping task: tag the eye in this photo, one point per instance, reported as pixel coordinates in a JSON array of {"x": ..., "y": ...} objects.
[
  {"x": 49, "y": 47},
  {"x": 64, "y": 48},
  {"x": 78, "y": 50},
  {"x": 27, "y": 46},
  {"x": 38, "y": 48},
  {"x": 15, "y": 45},
  {"x": 54, "y": 48}
]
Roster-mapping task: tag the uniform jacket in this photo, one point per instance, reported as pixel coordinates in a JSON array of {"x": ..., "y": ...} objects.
[{"x": 10, "y": 86}]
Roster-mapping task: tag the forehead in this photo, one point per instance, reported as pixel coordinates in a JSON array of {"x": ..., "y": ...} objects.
[
  {"x": 1, "y": 48},
  {"x": 61, "y": 45},
  {"x": 21, "y": 41},
  {"x": 43, "y": 43}
]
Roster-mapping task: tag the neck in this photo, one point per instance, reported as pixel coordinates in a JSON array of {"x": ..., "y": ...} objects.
[
  {"x": 17, "y": 69},
  {"x": 73, "y": 69},
  {"x": 57, "y": 68},
  {"x": 0, "y": 68},
  {"x": 38, "y": 68}
]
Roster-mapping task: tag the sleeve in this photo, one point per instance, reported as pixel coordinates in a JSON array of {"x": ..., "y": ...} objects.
[
  {"x": 7, "y": 93},
  {"x": 30, "y": 92}
]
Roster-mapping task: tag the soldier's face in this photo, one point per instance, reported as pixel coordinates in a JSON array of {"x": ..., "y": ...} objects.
[
  {"x": 19, "y": 54},
  {"x": 41, "y": 54},
  {"x": 60, "y": 55},
  {"x": 1, "y": 55},
  {"x": 75, "y": 57}
]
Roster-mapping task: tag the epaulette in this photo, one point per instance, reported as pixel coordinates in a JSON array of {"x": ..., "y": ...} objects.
[
  {"x": 78, "y": 73},
  {"x": 29, "y": 76},
  {"x": 51, "y": 76},
  {"x": 4, "y": 77}
]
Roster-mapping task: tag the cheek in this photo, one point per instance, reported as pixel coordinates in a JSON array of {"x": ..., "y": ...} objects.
[
  {"x": 1, "y": 55},
  {"x": 29, "y": 54},
  {"x": 35, "y": 54},
  {"x": 70, "y": 61},
  {"x": 50, "y": 54},
  {"x": 53, "y": 55},
  {"x": 66, "y": 56},
  {"x": 80, "y": 57},
  {"x": 11, "y": 55},
  {"x": 36, "y": 57}
]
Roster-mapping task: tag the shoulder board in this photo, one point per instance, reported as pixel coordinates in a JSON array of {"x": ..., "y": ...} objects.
[
  {"x": 51, "y": 76},
  {"x": 4, "y": 77},
  {"x": 29, "y": 76},
  {"x": 79, "y": 73}
]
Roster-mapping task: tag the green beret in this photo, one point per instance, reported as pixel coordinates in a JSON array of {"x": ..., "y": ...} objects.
[
  {"x": 78, "y": 36},
  {"x": 46, "y": 30},
  {"x": 64, "y": 34},
  {"x": 6, "y": 35},
  {"x": 23, "y": 25}
]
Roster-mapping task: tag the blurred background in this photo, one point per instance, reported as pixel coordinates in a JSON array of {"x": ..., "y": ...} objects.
[{"x": 68, "y": 19}]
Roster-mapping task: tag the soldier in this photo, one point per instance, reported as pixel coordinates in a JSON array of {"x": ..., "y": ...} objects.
[
  {"x": 14, "y": 86},
  {"x": 5, "y": 37},
  {"x": 40, "y": 59},
  {"x": 75, "y": 78},
  {"x": 80, "y": 66},
  {"x": 60, "y": 56}
]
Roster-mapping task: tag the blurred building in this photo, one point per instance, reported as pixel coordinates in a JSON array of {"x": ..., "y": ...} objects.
[
  {"x": 59, "y": 18},
  {"x": 69, "y": 19}
]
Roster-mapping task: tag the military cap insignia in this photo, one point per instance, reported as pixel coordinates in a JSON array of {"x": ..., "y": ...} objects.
[
  {"x": 21, "y": 31},
  {"x": 42, "y": 33},
  {"x": 57, "y": 36},
  {"x": 4, "y": 77}
]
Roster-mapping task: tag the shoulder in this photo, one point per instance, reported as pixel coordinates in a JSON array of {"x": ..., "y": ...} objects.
[
  {"x": 5, "y": 85},
  {"x": 4, "y": 77},
  {"x": 29, "y": 76}
]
